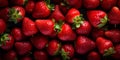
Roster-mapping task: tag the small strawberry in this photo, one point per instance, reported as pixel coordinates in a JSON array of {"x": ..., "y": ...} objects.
[
  {"x": 30, "y": 6},
  {"x": 10, "y": 55},
  {"x": 3, "y": 3},
  {"x": 39, "y": 42},
  {"x": 2, "y": 26},
  {"x": 93, "y": 56},
  {"x": 91, "y": 4},
  {"x": 67, "y": 51},
  {"x": 23, "y": 48},
  {"x": 117, "y": 53},
  {"x": 19, "y": 2},
  {"x": 97, "y": 18},
  {"x": 26, "y": 58},
  {"x": 105, "y": 46},
  {"x": 57, "y": 15},
  {"x": 84, "y": 45},
  {"x": 53, "y": 47},
  {"x": 28, "y": 27},
  {"x": 40, "y": 55},
  {"x": 108, "y": 4},
  {"x": 6, "y": 41},
  {"x": 114, "y": 15}
]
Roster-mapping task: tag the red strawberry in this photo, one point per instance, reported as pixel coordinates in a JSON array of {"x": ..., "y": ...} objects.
[
  {"x": 30, "y": 6},
  {"x": 118, "y": 3},
  {"x": 10, "y": 55},
  {"x": 114, "y": 35},
  {"x": 17, "y": 34},
  {"x": 53, "y": 47},
  {"x": 23, "y": 47},
  {"x": 2, "y": 26},
  {"x": 63, "y": 8},
  {"x": 39, "y": 42},
  {"x": 84, "y": 45},
  {"x": 26, "y": 58},
  {"x": 114, "y": 15},
  {"x": 19, "y": 2},
  {"x": 3, "y": 3},
  {"x": 84, "y": 28},
  {"x": 40, "y": 55},
  {"x": 41, "y": 10},
  {"x": 6, "y": 41},
  {"x": 105, "y": 46},
  {"x": 67, "y": 51},
  {"x": 91, "y": 4},
  {"x": 46, "y": 27},
  {"x": 108, "y": 4},
  {"x": 93, "y": 56},
  {"x": 4, "y": 13},
  {"x": 117, "y": 53},
  {"x": 57, "y": 15},
  {"x": 28, "y": 27},
  {"x": 97, "y": 18}
]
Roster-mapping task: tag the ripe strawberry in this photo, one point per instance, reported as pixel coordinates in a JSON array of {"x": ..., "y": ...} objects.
[
  {"x": 10, "y": 55},
  {"x": 23, "y": 48},
  {"x": 97, "y": 18},
  {"x": 93, "y": 56},
  {"x": 84, "y": 45},
  {"x": 57, "y": 15},
  {"x": 6, "y": 41},
  {"x": 46, "y": 27},
  {"x": 67, "y": 51},
  {"x": 114, "y": 35},
  {"x": 91, "y": 4},
  {"x": 28, "y": 27},
  {"x": 17, "y": 34},
  {"x": 4, "y": 13},
  {"x": 30, "y": 6},
  {"x": 108, "y": 4},
  {"x": 117, "y": 53},
  {"x": 3, "y": 3},
  {"x": 114, "y": 15},
  {"x": 53, "y": 47},
  {"x": 39, "y": 42},
  {"x": 105, "y": 46},
  {"x": 2, "y": 26},
  {"x": 40, "y": 55},
  {"x": 63, "y": 8},
  {"x": 19, "y": 2},
  {"x": 26, "y": 58}
]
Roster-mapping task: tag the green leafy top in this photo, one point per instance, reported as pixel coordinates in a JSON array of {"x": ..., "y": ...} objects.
[
  {"x": 109, "y": 52},
  {"x": 50, "y": 6},
  {"x": 3, "y": 39},
  {"x": 103, "y": 22},
  {"x": 58, "y": 26},
  {"x": 64, "y": 55}
]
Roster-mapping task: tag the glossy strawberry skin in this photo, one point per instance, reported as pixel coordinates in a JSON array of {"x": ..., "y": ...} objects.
[
  {"x": 2, "y": 26},
  {"x": 93, "y": 56},
  {"x": 3, "y": 3},
  {"x": 117, "y": 54},
  {"x": 28, "y": 27},
  {"x": 84, "y": 45},
  {"x": 30, "y": 6},
  {"x": 40, "y": 55},
  {"x": 39, "y": 42}
]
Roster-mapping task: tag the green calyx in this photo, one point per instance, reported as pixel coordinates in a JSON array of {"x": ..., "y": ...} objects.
[
  {"x": 58, "y": 26},
  {"x": 57, "y": 51},
  {"x": 103, "y": 22},
  {"x": 14, "y": 15},
  {"x": 64, "y": 55},
  {"x": 49, "y": 5},
  {"x": 78, "y": 20},
  {"x": 3, "y": 39},
  {"x": 109, "y": 52}
]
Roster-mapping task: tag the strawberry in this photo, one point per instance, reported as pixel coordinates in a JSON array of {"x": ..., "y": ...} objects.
[
  {"x": 93, "y": 56},
  {"x": 2, "y": 26},
  {"x": 105, "y": 46},
  {"x": 39, "y": 42},
  {"x": 108, "y": 4},
  {"x": 63, "y": 8},
  {"x": 114, "y": 15},
  {"x": 91, "y": 4},
  {"x": 67, "y": 51},
  {"x": 40, "y": 55},
  {"x": 30, "y": 6},
  {"x": 4, "y": 13},
  {"x": 57, "y": 15},
  {"x": 84, "y": 45},
  {"x": 10, "y": 55},
  {"x": 6, "y": 41},
  {"x": 46, "y": 27},
  {"x": 118, "y": 3},
  {"x": 23, "y": 48},
  {"x": 117, "y": 53},
  {"x": 28, "y": 27},
  {"x": 19, "y": 2},
  {"x": 97, "y": 18},
  {"x": 17, "y": 34},
  {"x": 53, "y": 47},
  {"x": 26, "y": 58},
  {"x": 3, "y": 3},
  {"x": 114, "y": 35}
]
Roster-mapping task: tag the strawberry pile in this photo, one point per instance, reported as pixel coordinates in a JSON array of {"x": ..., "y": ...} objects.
[{"x": 59, "y": 29}]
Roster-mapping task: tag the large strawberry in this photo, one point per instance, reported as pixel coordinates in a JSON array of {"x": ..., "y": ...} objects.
[
  {"x": 114, "y": 15},
  {"x": 28, "y": 27},
  {"x": 97, "y": 18},
  {"x": 67, "y": 51},
  {"x": 2, "y": 26},
  {"x": 19, "y": 2},
  {"x": 23, "y": 48},
  {"x": 30, "y": 6},
  {"x": 93, "y": 56},
  {"x": 39, "y": 42},
  {"x": 117, "y": 53},
  {"x": 40, "y": 55},
  {"x": 105, "y": 46},
  {"x": 6, "y": 41},
  {"x": 83, "y": 45},
  {"x": 53, "y": 47},
  {"x": 3, "y": 3}
]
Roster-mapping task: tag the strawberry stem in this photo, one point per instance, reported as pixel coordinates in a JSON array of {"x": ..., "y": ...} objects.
[
  {"x": 109, "y": 52},
  {"x": 58, "y": 26},
  {"x": 64, "y": 55},
  {"x": 103, "y": 22},
  {"x": 3, "y": 39}
]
